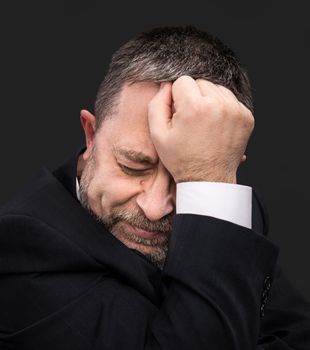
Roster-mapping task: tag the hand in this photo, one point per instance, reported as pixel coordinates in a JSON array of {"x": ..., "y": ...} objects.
[{"x": 206, "y": 136}]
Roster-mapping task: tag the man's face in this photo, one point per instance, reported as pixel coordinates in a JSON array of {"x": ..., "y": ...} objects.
[{"x": 124, "y": 184}]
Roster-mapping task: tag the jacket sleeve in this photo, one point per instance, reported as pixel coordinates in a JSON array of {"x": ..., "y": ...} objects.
[
  {"x": 214, "y": 283},
  {"x": 286, "y": 323},
  {"x": 216, "y": 275}
]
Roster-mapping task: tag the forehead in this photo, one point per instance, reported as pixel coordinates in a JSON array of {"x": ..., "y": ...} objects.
[
  {"x": 128, "y": 127},
  {"x": 134, "y": 99}
]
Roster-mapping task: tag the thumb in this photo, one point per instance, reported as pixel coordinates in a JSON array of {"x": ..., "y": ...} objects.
[{"x": 159, "y": 110}]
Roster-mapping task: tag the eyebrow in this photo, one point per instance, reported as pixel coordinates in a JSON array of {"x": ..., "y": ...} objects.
[{"x": 137, "y": 157}]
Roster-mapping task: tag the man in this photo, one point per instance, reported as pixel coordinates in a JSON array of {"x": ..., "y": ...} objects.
[{"x": 145, "y": 240}]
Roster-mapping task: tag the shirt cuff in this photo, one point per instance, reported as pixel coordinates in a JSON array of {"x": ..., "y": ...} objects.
[{"x": 230, "y": 202}]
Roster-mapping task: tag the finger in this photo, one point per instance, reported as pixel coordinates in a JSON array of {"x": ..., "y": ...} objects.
[
  {"x": 227, "y": 92},
  {"x": 230, "y": 96},
  {"x": 159, "y": 109},
  {"x": 207, "y": 88},
  {"x": 185, "y": 91}
]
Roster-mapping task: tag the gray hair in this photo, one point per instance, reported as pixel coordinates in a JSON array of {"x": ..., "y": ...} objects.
[{"x": 165, "y": 54}]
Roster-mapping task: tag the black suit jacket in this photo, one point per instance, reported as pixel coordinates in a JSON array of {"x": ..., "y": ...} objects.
[{"x": 67, "y": 283}]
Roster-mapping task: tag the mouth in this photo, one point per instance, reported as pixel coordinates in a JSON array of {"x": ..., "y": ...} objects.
[{"x": 143, "y": 233}]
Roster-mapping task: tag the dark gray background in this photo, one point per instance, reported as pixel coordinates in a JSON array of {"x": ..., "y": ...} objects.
[{"x": 54, "y": 55}]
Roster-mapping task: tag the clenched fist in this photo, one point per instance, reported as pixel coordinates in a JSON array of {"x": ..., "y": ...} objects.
[{"x": 200, "y": 130}]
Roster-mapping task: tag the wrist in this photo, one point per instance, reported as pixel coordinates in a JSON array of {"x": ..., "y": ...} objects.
[{"x": 214, "y": 177}]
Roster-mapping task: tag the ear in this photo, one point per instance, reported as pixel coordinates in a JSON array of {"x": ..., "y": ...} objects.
[{"x": 88, "y": 121}]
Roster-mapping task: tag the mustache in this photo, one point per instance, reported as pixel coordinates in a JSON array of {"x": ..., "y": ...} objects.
[{"x": 139, "y": 220}]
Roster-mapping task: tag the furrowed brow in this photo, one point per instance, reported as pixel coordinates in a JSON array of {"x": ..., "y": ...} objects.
[{"x": 137, "y": 157}]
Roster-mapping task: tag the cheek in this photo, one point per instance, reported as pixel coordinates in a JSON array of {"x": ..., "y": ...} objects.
[
  {"x": 110, "y": 191},
  {"x": 118, "y": 192}
]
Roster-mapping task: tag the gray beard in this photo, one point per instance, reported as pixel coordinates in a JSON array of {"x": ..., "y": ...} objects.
[{"x": 136, "y": 218}]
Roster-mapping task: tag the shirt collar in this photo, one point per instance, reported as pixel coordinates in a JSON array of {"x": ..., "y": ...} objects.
[{"x": 77, "y": 186}]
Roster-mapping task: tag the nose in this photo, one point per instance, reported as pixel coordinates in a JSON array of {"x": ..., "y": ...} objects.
[{"x": 157, "y": 197}]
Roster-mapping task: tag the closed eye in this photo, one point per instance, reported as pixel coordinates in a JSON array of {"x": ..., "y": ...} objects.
[{"x": 133, "y": 171}]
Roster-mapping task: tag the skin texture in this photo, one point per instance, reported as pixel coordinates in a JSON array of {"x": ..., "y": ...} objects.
[
  {"x": 206, "y": 137},
  {"x": 159, "y": 136},
  {"x": 143, "y": 196}
]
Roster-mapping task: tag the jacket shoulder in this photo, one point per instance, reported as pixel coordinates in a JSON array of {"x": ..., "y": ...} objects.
[{"x": 41, "y": 193}]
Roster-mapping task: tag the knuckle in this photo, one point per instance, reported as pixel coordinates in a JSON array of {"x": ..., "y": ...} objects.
[
  {"x": 192, "y": 109},
  {"x": 248, "y": 116},
  {"x": 181, "y": 81},
  {"x": 222, "y": 107},
  {"x": 184, "y": 78},
  {"x": 199, "y": 107},
  {"x": 202, "y": 82},
  {"x": 247, "y": 120},
  {"x": 251, "y": 122},
  {"x": 213, "y": 107},
  {"x": 209, "y": 102}
]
